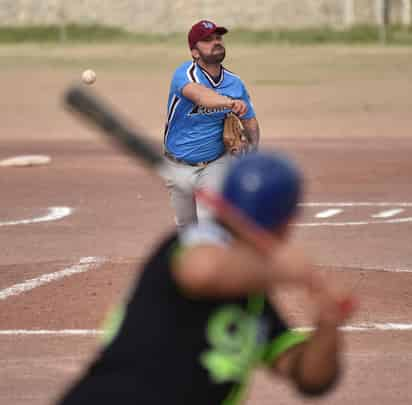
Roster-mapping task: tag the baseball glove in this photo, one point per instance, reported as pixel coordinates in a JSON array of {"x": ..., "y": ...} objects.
[{"x": 235, "y": 137}]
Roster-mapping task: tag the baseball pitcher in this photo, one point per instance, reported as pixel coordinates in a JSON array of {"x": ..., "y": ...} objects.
[{"x": 202, "y": 94}]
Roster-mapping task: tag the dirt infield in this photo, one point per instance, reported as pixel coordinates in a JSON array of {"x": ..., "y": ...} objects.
[{"x": 343, "y": 114}]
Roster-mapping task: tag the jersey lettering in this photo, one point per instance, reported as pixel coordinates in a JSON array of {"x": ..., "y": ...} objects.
[
  {"x": 199, "y": 109},
  {"x": 235, "y": 338}
]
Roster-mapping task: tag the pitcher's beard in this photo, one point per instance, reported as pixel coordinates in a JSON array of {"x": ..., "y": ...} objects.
[{"x": 213, "y": 59}]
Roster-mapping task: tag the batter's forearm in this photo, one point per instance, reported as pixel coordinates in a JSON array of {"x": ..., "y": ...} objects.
[
  {"x": 241, "y": 268},
  {"x": 317, "y": 366}
]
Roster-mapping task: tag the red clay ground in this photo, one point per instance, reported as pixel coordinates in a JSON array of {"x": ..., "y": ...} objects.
[{"x": 120, "y": 211}]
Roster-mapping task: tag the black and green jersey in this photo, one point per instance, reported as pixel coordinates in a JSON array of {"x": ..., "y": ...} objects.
[{"x": 176, "y": 350}]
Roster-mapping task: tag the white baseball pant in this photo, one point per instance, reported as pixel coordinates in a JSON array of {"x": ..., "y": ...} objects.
[{"x": 187, "y": 209}]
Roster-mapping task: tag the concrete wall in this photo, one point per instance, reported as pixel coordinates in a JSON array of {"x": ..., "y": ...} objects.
[{"x": 178, "y": 15}]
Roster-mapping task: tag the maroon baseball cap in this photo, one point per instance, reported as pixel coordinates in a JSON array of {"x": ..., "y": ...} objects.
[{"x": 202, "y": 30}]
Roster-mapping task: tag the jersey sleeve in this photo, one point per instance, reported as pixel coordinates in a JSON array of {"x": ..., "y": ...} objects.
[
  {"x": 281, "y": 336},
  {"x": 246, "y": 98},
  {"x": 180, "y": 80}
]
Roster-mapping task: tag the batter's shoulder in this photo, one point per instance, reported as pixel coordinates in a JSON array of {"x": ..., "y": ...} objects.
[{"x": 205, "y": 232}]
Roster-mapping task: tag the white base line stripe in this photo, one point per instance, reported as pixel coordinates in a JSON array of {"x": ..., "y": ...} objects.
[
  {"x": 356, "y": 204},
  {"x": 328, "y": 213},
  {"x": 382, "y": 221},
  {"x": 85, "y": 264},
  {"x": 383, "y": 217},
  {"x": 361, "y": 327},
  {"x": 369, "y": 327},
  {"x": 388, "y": 213},
  {"x": 388, "y": 270},
  {"x": 64, "y": 332},
  {"x": 361, "y": 267},
  {"x": 54, "y": 214}
]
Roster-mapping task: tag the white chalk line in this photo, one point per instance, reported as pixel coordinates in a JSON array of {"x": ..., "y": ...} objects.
[
  {"x": 355, "y": 267},
  {"x": 388, "y": 221},
  {"x": 361, "y": 327},
  {"x": 63, "y": 332},
  {"x": 328, "y": 213},
  {"x": 380, "y": 218},
  {"x": 388, "y": 213},
  {"x": 54, "y": 214},
  {"x": 356, "y": 204},
  {"x": 370, "y": 327},
  {"x": 387, "y": 269},
  {"x": 85, "y": 264}
]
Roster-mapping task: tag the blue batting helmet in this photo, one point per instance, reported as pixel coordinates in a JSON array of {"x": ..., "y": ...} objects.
[{"x": 265, "y": 186}]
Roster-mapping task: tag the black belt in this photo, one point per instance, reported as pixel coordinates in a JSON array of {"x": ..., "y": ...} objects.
[{"x": 197, "y": 164}]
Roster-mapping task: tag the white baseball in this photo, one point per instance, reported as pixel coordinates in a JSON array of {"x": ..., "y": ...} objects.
[{"x": 89, "y": 76}]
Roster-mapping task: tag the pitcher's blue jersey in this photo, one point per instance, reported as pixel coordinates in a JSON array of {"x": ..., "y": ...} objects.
[{"x": 194, "y": 133}]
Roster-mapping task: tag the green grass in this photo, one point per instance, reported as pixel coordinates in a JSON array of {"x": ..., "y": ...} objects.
[
  {"x": 362, "y": 34},
  {"x": 76, "y": 33}
]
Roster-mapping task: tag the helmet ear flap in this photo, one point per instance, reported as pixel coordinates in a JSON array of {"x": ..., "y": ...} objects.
[{"x": 266, "y": 187}]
